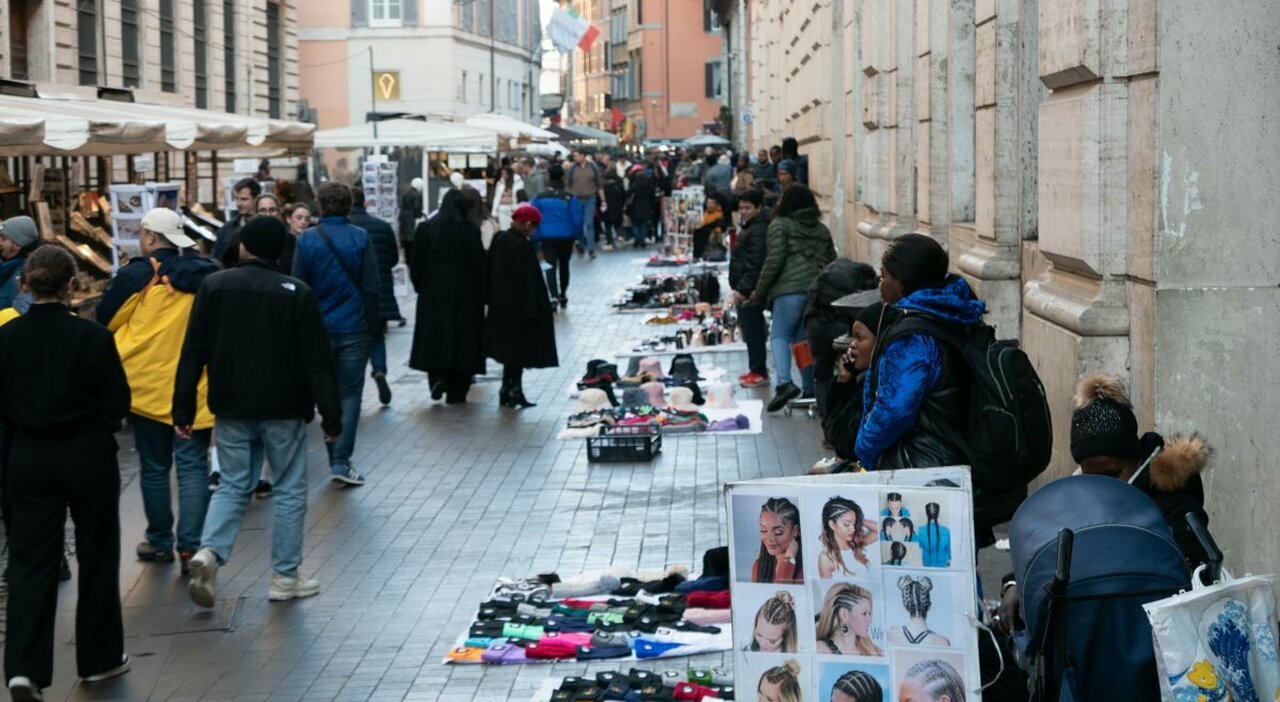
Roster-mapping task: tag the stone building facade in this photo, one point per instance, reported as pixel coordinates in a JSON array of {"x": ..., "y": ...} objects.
[
  {"x": 227, "y": 55},
  {"x": 1101, "y": 172}
]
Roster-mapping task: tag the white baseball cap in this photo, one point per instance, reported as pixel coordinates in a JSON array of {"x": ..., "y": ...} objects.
[{"x": 168, "y": 224}]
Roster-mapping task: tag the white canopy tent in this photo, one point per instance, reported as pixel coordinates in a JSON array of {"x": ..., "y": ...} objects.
[
  {"x": 81, "y": 126},
  {"x": 706, "y": 140},
  {"x": 441, "y": 136},
  {"x": 508, "y": 127}
]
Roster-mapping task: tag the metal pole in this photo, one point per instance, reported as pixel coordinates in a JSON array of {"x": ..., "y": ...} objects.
[
  {"x": 493, "y": 71},
  {"x": 373, "y": 94}
]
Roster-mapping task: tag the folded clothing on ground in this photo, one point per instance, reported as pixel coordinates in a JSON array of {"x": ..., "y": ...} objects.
[{"x": 707, "y": 599}]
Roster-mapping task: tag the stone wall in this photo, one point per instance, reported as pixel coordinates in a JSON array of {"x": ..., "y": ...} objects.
[{"x": 1102, "y": 174}]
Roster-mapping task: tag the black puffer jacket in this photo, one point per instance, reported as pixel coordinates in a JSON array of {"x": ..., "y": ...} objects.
[
  {"x": 841, "y": 277},
  {"x": 383, "y": 239},
  {"x": 748, "y": 254}
]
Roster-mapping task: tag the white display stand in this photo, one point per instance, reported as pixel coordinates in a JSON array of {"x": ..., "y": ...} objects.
[
  {"x": 379, "y": 181},
  {"x": 894, "y": 611}
]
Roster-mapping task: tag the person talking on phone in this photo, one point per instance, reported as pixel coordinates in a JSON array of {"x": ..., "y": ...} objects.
[{"x": 844, "y": 404}]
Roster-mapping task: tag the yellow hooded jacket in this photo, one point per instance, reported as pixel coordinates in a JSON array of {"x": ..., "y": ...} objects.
[{"x": 147, "y": 306}]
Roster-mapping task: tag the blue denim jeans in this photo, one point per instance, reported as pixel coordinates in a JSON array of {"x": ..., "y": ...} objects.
[
  {"x": 351, "y": 355},
  {"x": 285, "y": 444},
  {"x": 588, "y": 236},
  {"x": 378, "y": 353},
  {"x": 640, "y": 231},
  {"x": 158, "y": 449},
  {"x": 787, "y": 329}
]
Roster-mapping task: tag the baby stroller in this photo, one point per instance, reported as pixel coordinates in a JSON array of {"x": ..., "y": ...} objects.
[{"x": 1088, "y": 552}]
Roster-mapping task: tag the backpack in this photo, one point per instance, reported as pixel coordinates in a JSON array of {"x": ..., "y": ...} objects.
[
  {"x": 707, "y": 285},
  {"x": 1010, "y": 437}
]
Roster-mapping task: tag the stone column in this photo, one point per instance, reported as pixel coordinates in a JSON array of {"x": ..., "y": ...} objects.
[{"x": 1076, "y": 319}]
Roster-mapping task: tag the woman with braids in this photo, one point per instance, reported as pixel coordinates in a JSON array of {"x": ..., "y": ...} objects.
[
  {"x": 901, "y": 530},
  {"x": 845, "y": 535},
  {"x": 844, "y": 627},
  {"x": 915, "y": 599},
  {"x": 857, "y": 686},
  {"x": 780, "y": 683},
  {"x": 931, "y": 681},
  {"x": 934, "y": 539},
  {"x": 780, "y": 557},
  {"x": 775, "y": 628}
]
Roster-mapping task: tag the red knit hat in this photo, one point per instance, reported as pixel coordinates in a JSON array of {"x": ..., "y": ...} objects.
[{"x": 526, "y": 213}]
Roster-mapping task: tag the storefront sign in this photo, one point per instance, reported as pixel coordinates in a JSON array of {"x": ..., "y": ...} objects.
[
  {"x": 386, "y": 84},
  {"x": 684, "y": 109}
]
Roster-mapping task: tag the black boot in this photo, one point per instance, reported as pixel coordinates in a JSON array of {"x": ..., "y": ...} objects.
[
  {"x": 518, "y": 400},
  {"x": 504, "y": 395}
]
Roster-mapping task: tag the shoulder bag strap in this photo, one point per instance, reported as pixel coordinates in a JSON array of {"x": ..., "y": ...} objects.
[{"x": 355, "y": 280}]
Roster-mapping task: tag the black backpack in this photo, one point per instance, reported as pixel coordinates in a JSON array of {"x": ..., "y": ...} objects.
[
  {"x": 707, "y": 285},
  {"x": 1009, "y": 437}
]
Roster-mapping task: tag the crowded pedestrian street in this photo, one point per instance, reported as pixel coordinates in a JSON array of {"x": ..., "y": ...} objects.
[{"x": 456, "y": 497}]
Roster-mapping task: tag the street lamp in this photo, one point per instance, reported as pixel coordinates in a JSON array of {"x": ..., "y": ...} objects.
[{"x": 493, "y": 78}]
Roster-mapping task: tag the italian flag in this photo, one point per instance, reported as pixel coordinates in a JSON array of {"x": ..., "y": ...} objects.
[{"x": 568, "y": 30}]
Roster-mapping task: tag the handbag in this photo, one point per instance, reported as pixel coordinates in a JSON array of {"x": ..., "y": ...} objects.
[
  {"x": 1218, "y": 642},
  {"x": 371, "y": 315},
  {"x": 803, "y": 354}
]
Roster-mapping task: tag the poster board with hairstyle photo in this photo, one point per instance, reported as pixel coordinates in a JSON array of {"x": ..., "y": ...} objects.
[{"x": 855, "y": 587}]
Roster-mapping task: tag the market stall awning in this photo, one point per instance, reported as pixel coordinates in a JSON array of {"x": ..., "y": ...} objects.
[
  {"x": 508, "y": 127},
  {"x": 92, "y": 127},
  {"x": 706, "y": 140},
  {"x": 21, "y": 132},
  {"x": 601, "y": 137},
  {"x": 444, "y": 136}
]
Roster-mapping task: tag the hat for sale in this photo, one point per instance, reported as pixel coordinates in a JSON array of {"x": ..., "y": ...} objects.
[
  {"x": 652, "y": 366},
  {"x": 1103, "y": 423},
  {"x": 683, "y": 368},
  {"x": 682, "y": 399},
  {"x": 264, "y": 237},
  {"x": 635, "y": 397},
  {"x": 694, "y": 391},
  {"x": 654, "y": 393},
  {"x": 526, "y": 213},
  {"x": 20, "y": 230},
  {"x": 167, "y": 224},
  {"x": 720, "y": 396},
  {"x": 593, "y": 399}
]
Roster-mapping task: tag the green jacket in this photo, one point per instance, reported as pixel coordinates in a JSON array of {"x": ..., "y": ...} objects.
[{"x": 799, "y": 247}]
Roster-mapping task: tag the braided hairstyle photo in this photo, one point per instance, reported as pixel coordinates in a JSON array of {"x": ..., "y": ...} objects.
[
  {"x": 766, "y": 563},
  {"x": 775, "y": 624},
  {"x": 835, "y": 514},
  {"x": 780, "y": 683},
  {"x": 915, "y": 595},
  {"x": 857, "y": 686},
  {"x": 936, "y": 679}
]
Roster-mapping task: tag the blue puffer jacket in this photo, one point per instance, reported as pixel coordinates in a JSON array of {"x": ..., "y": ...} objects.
[
  {"x": 910, "y": 367},
  {"x": 346, "y": 309},
  {"x": 562, "y": 215}
]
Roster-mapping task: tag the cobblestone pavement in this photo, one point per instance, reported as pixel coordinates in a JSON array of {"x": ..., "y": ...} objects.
[{"x": 456, "y": 497}]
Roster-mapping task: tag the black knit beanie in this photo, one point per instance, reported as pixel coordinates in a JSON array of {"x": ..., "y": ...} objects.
[
  {"x": 265, "y": 237},
  {"x": 1104, "y": 423},
  {"x": 877, "y": 316}
]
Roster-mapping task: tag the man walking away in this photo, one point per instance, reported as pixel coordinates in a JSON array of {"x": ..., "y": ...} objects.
[
  {"x": 147, "y": 306},
  {"x": 225, "y": 249},
  {"x": 562, "y": 217},
  {"x": 410, "y": 213},
  {"x": 791, "y": 152},
  {"x": 336, "y": 259},
  {"x": 387, "y": 253},
  {"x": 585, "y": 184},
  {"x": 260, "y": 335}
]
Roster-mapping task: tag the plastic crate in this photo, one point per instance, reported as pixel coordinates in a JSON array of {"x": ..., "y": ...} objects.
[{"x": 625, "y": 444}]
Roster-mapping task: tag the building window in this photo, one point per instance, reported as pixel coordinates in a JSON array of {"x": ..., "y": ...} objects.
[
  {"x": 462, "y": 88},
  {"x": 273, "y": 60},
  {"x": 168, "y": 55},
  {"x": 20, "y": 12},
  {"x": 132, "y": 72},
  {"x": 715, "y": 80},
  {"x": 485, "y": 21},
  {"x": 229, "y": 52},
  {"x": 386, "y": 13},
  {"x": 618, "y": 26},
  {"x": 710, "y": 19},
  {"x": 87, "y": 41},
  {"x": 465, "y": 15},
  {"x": 200, "y": 32}
]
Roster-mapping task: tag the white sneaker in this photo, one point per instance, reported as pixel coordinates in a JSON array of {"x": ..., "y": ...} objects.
[
  {"x": 204, "y": 570},
  {"x": 107, "y": 675},
  {"x": 283, "y": 588},
  {"x": 21, "y": 689}
]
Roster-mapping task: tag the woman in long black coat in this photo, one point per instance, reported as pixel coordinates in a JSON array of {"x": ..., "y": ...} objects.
[
  {"x": 448, "y": 272},
  {"x": 520, "y": 332}
]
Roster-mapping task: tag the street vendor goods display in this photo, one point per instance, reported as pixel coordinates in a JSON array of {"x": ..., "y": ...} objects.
[
  {"x": 854, "y": 582},
  {"x": 597, "y": 617}
]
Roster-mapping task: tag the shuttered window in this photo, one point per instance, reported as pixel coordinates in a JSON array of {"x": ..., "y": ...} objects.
[{"x": 168, "y": 55}]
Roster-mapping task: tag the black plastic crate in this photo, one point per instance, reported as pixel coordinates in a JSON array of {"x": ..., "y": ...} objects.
[{"x": 625, "y": 444}]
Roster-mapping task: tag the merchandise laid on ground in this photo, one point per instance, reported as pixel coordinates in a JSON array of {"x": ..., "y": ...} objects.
[
  {"x": 659, "y": 615},
  {"x": 642, "y": 686}
]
